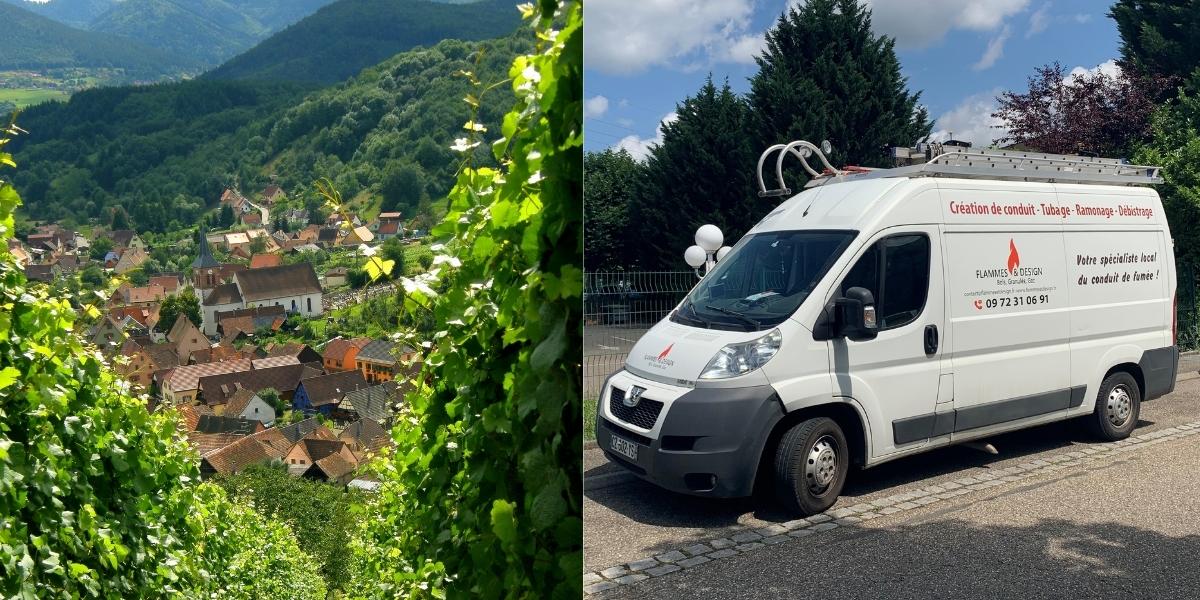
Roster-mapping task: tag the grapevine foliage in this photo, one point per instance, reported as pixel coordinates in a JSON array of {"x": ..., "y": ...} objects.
[
  {"x": 98, "y": 497},
  {"x": 482, "y": 497}
]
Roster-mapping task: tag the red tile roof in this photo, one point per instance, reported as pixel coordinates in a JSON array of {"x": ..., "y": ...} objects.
[{"x": 259, "y": 261}]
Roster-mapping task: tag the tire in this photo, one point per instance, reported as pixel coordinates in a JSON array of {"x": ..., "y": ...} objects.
[
  {"x": 811, "y": 463},
  {"x": 1118, "y": 404}
]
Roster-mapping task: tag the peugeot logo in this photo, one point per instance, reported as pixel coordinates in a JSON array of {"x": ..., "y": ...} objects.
[{"x": 632, "y": 396}]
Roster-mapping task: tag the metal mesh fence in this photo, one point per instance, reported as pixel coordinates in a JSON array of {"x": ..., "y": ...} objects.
[
  {"x": 1187, "y": 319},
  {"x": 618, "y": 307}
]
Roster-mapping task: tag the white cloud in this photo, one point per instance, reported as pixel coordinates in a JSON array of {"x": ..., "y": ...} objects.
[
  {"x": 630, "y": 36},
  {"x": 917, "y": 24},
  {"x": 1081, "y": 18},
  {"x": 744, "y": 49},
  {"x": 995, "y": 49},
  {"x": 1039, "y": 20},
  {"x": 972, "y": 121},
  {"x": 639, "y": 147},
  {"x": 595, "y": 107},
  {"x": 1108, "y": 67}
]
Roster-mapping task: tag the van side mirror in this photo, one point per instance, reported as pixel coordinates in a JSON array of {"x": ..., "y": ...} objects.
[{"x": 855, "y": 315}]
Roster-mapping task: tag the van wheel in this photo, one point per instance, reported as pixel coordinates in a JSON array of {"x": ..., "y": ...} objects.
[
  {"x": 811, "y": 462},
  {"x": 1117, "y": 407}
]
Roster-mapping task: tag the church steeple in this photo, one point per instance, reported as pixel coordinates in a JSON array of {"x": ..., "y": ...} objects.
[{"x": 205, "y": 259}]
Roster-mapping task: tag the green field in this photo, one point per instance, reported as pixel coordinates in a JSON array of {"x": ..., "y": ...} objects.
[{"x": 23, "y": 97}]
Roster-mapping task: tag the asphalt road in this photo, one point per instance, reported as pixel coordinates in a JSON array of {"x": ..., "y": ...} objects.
[{"x": 1126, "y": 529}]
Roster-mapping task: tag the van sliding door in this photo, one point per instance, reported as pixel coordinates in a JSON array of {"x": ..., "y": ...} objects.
[{"x": 1008, "y": 309}]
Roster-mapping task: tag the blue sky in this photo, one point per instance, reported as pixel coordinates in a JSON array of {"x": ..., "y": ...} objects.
[{"x": 641, "y": 57}]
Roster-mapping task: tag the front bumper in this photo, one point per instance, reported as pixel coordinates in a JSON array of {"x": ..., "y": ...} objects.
[{"x": 707, "y": 441}]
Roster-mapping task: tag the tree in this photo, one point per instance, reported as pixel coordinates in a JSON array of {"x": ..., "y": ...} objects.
[
  {"x": 120, "y": 220},
  {"x": 94, "y": 277},
  {"x": 357, "y": 278},
  {"x": 393, "y": 249},
  {"x": 258, "y": 245},
  {"x": 152, "y": 266},
  {"x": 184, "y": 303},
  {"x": 1158, "y": 39},
  {"x": 1175, "y": 146},
  {"x": 100, "y": 247},
  {"x": 824, "y": 76},
  {"x": 403, "y": 186},
  {"x": 702, "y": 172},
  {"x": 226, "y": 218},
  {"x": 271, "y": 397},
  {"x": 1090, "y": 113},
  {"x": 138, "y": 277},
  {"x": 610, "y": 179}
]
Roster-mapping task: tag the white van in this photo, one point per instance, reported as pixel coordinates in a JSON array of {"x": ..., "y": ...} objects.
[{"x": 884, "y": 313}]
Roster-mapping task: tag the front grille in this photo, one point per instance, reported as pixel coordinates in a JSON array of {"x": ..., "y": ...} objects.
[{"x": 643, "y": 415}]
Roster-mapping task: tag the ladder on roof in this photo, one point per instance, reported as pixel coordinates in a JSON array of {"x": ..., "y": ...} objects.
[{"x": 963, "y": 162}]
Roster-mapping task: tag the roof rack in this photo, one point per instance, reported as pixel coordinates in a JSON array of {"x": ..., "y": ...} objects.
[{"x": 938, "y": 160}]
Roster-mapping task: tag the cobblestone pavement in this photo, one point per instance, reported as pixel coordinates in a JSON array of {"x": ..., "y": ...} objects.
[{"x": 637, "y": 535}]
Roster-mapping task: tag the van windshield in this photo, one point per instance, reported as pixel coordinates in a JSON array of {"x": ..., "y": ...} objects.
[{"x": 763, "y": 280}]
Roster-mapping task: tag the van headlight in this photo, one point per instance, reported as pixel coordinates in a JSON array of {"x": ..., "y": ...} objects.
[{"x": 739, "y": 359}]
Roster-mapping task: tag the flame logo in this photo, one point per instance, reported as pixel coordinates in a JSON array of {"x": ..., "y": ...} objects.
[
  {"x": 666, "y": 352},
  {"x": 1014, "y": 259}
]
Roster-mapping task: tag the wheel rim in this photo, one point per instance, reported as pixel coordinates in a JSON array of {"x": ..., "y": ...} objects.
[
  {"x": 820, "y": 467},
  {"x": 1120, "y": 406}
]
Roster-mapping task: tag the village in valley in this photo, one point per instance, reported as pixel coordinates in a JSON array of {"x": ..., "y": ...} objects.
[{"x": 271, "y": 343}]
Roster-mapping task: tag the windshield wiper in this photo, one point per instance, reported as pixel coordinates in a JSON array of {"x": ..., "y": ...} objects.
[
  {"x": 696, "y": 316},
  {"x": 734, "y": 313}
]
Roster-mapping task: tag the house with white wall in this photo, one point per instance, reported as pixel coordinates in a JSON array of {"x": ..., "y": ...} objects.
[{"x": 294, "y": 287}]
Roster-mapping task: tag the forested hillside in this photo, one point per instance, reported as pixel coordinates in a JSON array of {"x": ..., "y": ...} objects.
[
  {"x": 207, "y": 30},
  {"x": 341, "y": 39},
  {"x": 32, "y": 41},
  {"x": 195, "y": 34},
  {"x": 76, "y": 13},
  {"x": 165, "y": 152}
]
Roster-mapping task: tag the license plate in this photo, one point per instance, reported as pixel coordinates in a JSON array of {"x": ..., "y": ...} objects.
[{"x": 625, "y": 448}]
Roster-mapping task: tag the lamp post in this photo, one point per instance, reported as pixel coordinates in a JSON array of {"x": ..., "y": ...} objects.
[{"x": 707, "y": 251}]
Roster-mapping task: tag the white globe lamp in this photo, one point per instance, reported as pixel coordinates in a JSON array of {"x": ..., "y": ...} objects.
[
  {"x": 722, "y": 252},
  {"x": 695, "y": 256},
  {"x": 709, "y": 238}
]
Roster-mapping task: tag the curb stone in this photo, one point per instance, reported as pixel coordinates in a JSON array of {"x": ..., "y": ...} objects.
[{"x": 749, "y": 540}]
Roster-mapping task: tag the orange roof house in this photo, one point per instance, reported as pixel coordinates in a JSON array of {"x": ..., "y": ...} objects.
[
  {"x": 259, "y": 261},
  {"x": 340, "y": 353}
]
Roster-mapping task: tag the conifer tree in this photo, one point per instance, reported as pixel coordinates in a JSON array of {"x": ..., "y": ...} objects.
[
  {"x": 825, "y": 76},
  {"x": 702, "y": 172}
]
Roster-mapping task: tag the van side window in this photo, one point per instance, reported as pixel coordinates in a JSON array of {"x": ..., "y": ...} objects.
[{"x": 896, "y": 271}]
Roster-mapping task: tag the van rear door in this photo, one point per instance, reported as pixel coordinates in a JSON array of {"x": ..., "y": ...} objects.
[{"x": 895, "y": 377}]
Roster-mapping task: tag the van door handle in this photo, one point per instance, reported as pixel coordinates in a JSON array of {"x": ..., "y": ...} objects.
[{"x": 931, "y": 340}]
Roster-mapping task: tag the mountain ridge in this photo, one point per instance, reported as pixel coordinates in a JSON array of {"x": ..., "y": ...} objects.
[
  {"x": 365, "y": 32},
  {"x": 35, "y": 42}
]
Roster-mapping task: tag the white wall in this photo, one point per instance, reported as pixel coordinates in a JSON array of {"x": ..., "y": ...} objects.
[
  {"x": 210, "y": 316},
  {"x": 259, "y": 410},
  {"x": 301, "y": 304}
]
